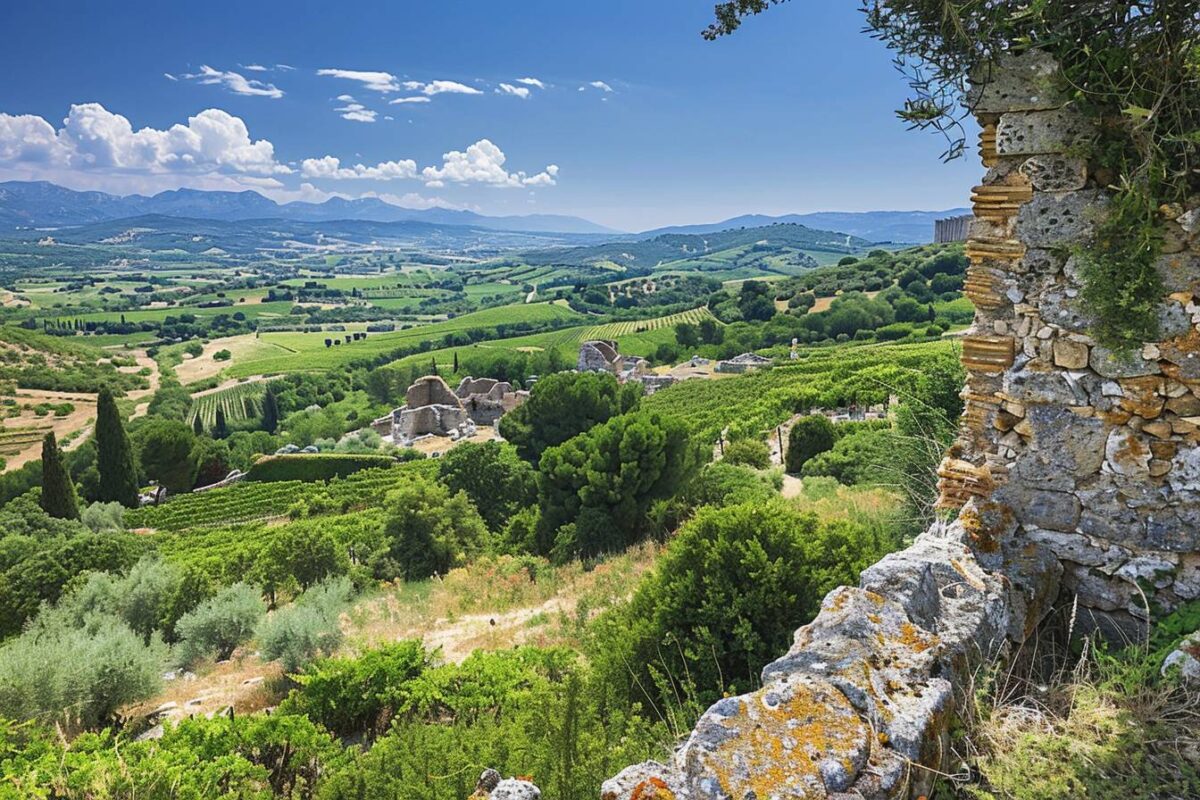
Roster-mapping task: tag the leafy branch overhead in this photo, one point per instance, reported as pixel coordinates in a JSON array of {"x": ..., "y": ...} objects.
[{"x": 1131, "y": 65}]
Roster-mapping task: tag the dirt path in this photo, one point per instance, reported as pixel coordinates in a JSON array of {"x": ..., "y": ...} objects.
[{"x": 78, "y": 421}]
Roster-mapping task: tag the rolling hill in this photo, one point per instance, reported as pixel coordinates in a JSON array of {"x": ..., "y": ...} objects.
[{"x": 902, "y": 227}]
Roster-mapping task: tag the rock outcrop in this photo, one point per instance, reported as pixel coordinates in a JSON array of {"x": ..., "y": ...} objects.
[{"x": 1076, "y": 475}]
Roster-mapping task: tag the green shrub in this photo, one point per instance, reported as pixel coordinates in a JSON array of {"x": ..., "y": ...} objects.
[
  {"x": 498, "y": 482},
  {"x": 864, "y": 456},
  {"x": 723, "y": 484},
  {"x": 219, "y": 624},
  {"x": 429, "y": 531},
  {"x": 308, "y": 628},
  {"x": 564, "y": 405},
  {"x": 810, "y": 436},
  {"x": 76, "y": 676},
  {"x": 349, "y": 695},
  {"x": 313, "y": 466},
  {"x": 748, "y": 452},
  {"x": 725, "y": 598},
  {"x": 100, "y": 517}
]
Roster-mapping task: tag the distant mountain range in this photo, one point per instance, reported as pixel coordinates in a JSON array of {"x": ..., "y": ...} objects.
[
  {"x": 45, "y": 205},
  {"x": 901, "y": 227}
]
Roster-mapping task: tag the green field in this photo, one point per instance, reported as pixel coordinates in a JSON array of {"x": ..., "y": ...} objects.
[{"x": 307, "y": 351}]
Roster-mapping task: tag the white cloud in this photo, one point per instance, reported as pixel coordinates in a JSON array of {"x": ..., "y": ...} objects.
[
  {"x": 284, "y": 67},
  {"x": 417, "y": 99},
  {"x": 97, "y": 149},
  {"x": 234, "y": 82},
  {"x": 483, "y": 162},
  {"x": 94, "y": 138},
  {"x": 508, "y": 88},
  {"x": 601, "y": 85},
  {"x": 532, "y": 82},
  {"x": 375, "y": 81},
  {"x": 169, "y": 76},
  {"x": 414, "y": 200},
  {"x": 357, "y": 112},
  {"x": 255, "y": 67},
  {"x": 346, "y": 98},
  {"x": 331, "y": 167},
  {"x": 440, "y": 87}
]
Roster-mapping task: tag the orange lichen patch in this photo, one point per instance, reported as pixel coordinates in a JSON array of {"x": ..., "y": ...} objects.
[
  {"x": 915, "y": 638},
  {"x": 988, "y": 354},
  {"x": 652, "y": 789},
  {"x": 1142, "y": 396},
  {"x": 789, "y": 748}
]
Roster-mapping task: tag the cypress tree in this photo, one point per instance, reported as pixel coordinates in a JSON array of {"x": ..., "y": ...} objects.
[
  {"x": 197, "y": 425},
  {"x": 114, "y": 454},
  {"x": 270, "y": 415},
  {"x": 455, "y": 362},
  {"x": 58, "y": 491},
  {"x": 220, "y": 428}
]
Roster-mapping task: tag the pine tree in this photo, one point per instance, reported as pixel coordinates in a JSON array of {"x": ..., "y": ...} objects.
[
  {"x": 455, "y": 362},
  {"x": 220, "y": 429},
  {"x": 197, "y": 425},
  {"x": 58, "y": 491},
  {"x": 270, "y": 412},
  {"x": 114, "y": 454}
]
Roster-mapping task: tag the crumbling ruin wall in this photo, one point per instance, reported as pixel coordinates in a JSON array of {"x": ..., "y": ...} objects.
[{"x": 1076, "y": 473}]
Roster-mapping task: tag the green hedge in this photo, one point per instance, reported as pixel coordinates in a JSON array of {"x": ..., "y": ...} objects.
[{"x": 314, "y": 466}]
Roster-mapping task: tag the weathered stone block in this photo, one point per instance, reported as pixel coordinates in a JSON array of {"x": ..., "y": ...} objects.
[
  {"x": 1029, "y": 133},
  {"x": 1070, "y": 354},
  {"x": 1112, "y": 364},
  {"x": 1055, "y": 511},
  {"x": 1024, "y": 82},
  {"x": 1060, "y": 220},
  {"x": 1055, "y": 173}
]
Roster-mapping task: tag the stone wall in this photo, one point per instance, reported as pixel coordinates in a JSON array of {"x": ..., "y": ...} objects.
[
  {"x": 1076, "y": 475},
  {"x": 951, "y": 229}
]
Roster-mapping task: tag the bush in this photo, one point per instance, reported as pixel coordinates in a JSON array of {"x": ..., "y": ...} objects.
[
  {"x": 810, "y": 436},
  {"x": 219, "y": 624},
  {"x": 723, "y": 484},
  {"x": 309, "y": 628},
  {"x": 349, "y": 695},
  {"x": 100, "y": 517},
  {"x": 564, "y": 405},
  {"x": 748, "y": 452},
  {"x": 726, "y": 597},
  {"x": 498, "y": 482},
  {"x": 222, "y": 355},
  {"x": 864, "y": 456},
  {"x": 77, "y": 676},
  {"x": 429, "y": 530},
  {"x": 313, "y": 467}
]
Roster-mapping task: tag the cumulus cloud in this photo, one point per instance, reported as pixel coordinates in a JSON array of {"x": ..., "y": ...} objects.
[
  {"x": 357, "y": 112},
  {"x": 440, "y": 87},
  {"x": 346, "y": 98},
  {"x": 532, "y": 82},
  {"x": 234, "y": 82},
  {"x": 601, "y": 85},
  {"x": 518, "y": 91},
  {"x": 414, "y": 200},
  {"x": 375, "y": 81},
  {"x": 92, "y": 138},
  {"x": 416, "y": 99},
  {"x": 331, "y": 167},
  {"x": 483, "y": 162}
]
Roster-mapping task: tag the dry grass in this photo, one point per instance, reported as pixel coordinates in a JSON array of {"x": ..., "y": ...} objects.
[
  {"x": 1058, "y": 725},
  {"x": 498, "y": 603}
]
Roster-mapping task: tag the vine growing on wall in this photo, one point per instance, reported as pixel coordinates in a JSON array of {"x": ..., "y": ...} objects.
[{"x": 1133, "y": 65}]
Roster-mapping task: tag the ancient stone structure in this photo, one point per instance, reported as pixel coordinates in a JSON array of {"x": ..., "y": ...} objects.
[
  {"x": 743, "y": 363},
  {"x": 600, "y": 355},
  {"x": 951, "y": 229},
  {"x": 1076, "y": 475},
  {"x": 432, "y": 409},
  {"x": 487, "y": 399}
]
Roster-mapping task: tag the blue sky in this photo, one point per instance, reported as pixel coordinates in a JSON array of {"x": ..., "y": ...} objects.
[{"x": 625, "y": 116}]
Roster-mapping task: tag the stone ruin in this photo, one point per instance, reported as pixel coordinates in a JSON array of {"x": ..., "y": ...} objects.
[
  {"x": 1076, "y": 474},
  {"x": 431, "y": 408},
  {"x": 603, "y": 355}
]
